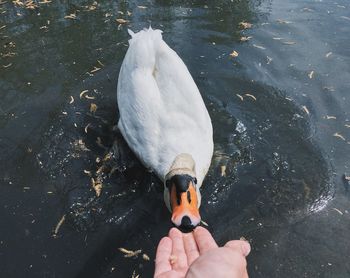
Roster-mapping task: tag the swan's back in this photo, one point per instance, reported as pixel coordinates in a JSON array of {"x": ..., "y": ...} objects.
[{"x": 162, "y": 113}]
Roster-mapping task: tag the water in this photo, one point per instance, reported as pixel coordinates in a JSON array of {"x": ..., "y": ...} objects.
[{"x": 281, "y": 130}]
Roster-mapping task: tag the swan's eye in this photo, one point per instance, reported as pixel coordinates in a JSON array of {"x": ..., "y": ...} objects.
[{"x": 189, "y": 196}]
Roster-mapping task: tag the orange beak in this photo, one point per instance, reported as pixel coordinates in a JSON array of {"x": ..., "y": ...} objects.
[{"x": 184, "y": 206}]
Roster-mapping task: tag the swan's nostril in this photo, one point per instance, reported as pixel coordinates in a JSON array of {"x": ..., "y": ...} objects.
[{"x": 186, "y": 225}]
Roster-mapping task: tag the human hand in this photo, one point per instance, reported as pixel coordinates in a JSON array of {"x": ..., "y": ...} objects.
[{"x": 196, "y": 254}]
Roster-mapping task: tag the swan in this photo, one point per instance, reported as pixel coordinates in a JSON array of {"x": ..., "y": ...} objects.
[{"x": 164, "y": 121}]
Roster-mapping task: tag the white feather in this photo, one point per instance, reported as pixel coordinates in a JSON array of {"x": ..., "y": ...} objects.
[{"x": 162, "y": 113}]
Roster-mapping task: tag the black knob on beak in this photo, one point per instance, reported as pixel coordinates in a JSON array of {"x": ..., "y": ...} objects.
[{"x": 186, "y": 225}]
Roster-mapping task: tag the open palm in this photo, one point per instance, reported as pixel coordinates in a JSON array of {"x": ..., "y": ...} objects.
[{"x": 196, "y": 254}]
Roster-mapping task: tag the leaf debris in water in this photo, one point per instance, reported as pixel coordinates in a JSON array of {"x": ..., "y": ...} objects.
[
  {"x": 269, "y": 60},
  {"x": 346, "y": 125},
  {"x": 121, "y": 20},
  {"x": 100, "y": 63},
  {"x": 251, "y": 96},
  {"x": 87, "y": 172},
  {"x": 134, "y": 275},
  {"x": 281, "y": 21},
  {"x": 234, "y": 54},
  {"x": 86, "y": 127},
  {"x": 345, "y": 17},
  {"x": 223, "y": 170},
  {"x": 311, "y": 74},
  {"x": 259, "y": 46},
  {"x": 306, "y": 110},
  {"x": 337, "y": 210},
  {"x": 245, "y": 25},
  {"x": 329, "y": 54},
  {"x": 339, "y": 136},
  {"x": 7, "y": 66},
  {"x": 330, "y": 117},
  {"x": 289, "y": 42},
  {"x": 145, "y": 257},
  {"x": 129, "y": 253},
  {"x": 71, "y": 16},
  {"x": 241, "y": 98},
  {"x": 71, "y": 100},
  {"x": 97, "y": 186},
  {"x": 204, "y": 223},
  {"x": 142, "y": 7},
  {"x": 93, "y": 107},
  {"x": 58, "y": 226},
  {"x": 245, "y": 39},
  {"x": 94, "y": 69},
  {"x": 80, "y": 145},
  {"x": 82, "y": 93}
]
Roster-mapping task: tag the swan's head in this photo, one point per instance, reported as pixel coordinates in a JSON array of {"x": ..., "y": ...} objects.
[{"x": 181, "y": 193}]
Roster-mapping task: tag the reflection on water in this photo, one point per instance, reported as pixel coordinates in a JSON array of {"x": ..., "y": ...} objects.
[{"x": 275, "y": 163}]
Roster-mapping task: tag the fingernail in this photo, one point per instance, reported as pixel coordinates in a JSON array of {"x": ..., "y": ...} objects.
[{"x": 245, "y": 248}]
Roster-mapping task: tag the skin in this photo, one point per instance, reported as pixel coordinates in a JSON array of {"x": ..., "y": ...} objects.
[{"x": 196, "y": 254}]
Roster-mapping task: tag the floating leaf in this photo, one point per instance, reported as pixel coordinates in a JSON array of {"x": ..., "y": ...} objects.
[
  {"x": 129, "y": 253},
  {"x": 234, "y": 54},
  {"x": 71, "y": 100},
  {"x": 306, "y": 110},
  {"x": 204, "y": 223},
  {"x": 71, "y": 16},
  {"x": 251, "y": 96},
  {"x": 142, "y": 7},
  {"x": 94, "y": 69},
  {"x": 82, "y": 93},
  {"x": 145, "y": 257},
  {"x": 245, "y": 39},
  {"x": 122, "y": 21},
  {"x": 93, "y": 107},
  {"x": 58, "y": 226},
  {"x": 241, "y": 98},
  {"x": 97, "y": 186},
  {"x": 311, "y": 74},
  {"x": 281, "y": 21},
  {"x": 329, "y": 54},
  {"x": 86, "y": 127},
  {"x": 245, "y": 25},
  {"x": 259, "y": 46},
  {"x": 223, "y": 170},
  {"x": 339, "y": 136},
  {"x": 337, "y": 210}
]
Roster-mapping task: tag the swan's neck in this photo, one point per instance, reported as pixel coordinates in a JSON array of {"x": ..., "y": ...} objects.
[{"x": 183, "y": 165}]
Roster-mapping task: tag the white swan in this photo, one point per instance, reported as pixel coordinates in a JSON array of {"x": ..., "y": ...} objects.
[{"x": 165, "y": 122}]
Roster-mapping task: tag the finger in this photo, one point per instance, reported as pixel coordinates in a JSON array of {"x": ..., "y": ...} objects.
[
  {"x": 242, "y": 246},
  {"x": 191, "y": 248},
  {"x": 162, "y": 256},
  {"x": 204, "y": 240},
  {"x": 178, "y": 250}
]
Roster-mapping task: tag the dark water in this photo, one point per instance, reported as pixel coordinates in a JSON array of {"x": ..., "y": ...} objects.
[{"x": 285, "y": 147}]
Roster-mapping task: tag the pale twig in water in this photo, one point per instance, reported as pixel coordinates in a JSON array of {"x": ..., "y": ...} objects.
[{"x": 58, "y": 226}]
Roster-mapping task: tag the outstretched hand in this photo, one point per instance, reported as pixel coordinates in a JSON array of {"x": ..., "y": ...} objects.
[{"x": 196, "y": 254}]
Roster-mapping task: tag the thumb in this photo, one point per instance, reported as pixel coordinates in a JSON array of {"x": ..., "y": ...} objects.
[{"x": 241, "y": 246}]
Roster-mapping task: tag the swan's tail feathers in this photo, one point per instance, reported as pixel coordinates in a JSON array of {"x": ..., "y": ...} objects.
[
  {"x": 147, "y": 34},
  {"x": 131, "y": 33}
]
